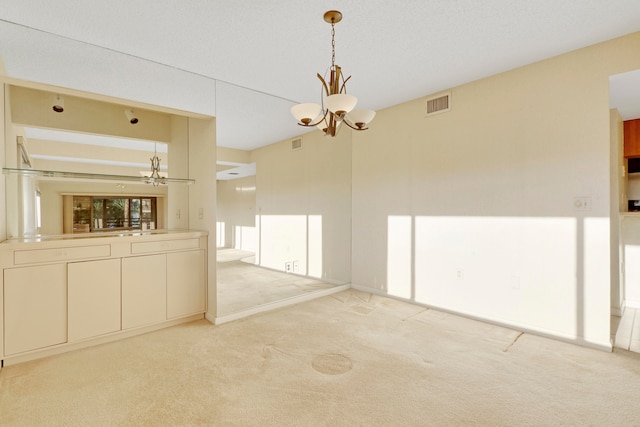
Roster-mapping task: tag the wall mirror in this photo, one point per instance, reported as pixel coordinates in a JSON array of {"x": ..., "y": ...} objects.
[
  {"x": 284, "y": 211},
  {"x": 77, "y": 171}
]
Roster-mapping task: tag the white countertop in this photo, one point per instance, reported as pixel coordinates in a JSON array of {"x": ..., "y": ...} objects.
[{"x": 101, "y": 237}]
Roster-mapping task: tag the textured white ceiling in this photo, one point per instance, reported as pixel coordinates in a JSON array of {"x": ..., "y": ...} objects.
[{"x": 247, "y": 62}]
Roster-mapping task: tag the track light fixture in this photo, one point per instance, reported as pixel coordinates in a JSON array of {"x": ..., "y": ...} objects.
[
  {"x": 131, "y": 116},
  {"x": 58, "y": 104},
  {"x": 337, "y": 106}
]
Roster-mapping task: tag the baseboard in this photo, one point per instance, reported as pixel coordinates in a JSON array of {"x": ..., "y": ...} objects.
[
  {"x": 90, "y": 342},
  {"x": 279, "y": 304},
  {"x": 210, "y": 317},
  {"x": 322, "y": 279},
  {"x": 604, "y": 346},
  {"x": 617, "y": 311}
]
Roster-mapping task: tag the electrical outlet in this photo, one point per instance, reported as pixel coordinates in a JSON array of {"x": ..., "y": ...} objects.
[
  {"x": 459, "y": 274},
  {"x": 582, "y": 203},
  {"x": 287, "y": 267},
  {"x": 296, "y": 266}
]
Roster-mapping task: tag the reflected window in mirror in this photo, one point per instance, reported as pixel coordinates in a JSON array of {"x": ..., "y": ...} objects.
[{"x": 100, "y": 213}]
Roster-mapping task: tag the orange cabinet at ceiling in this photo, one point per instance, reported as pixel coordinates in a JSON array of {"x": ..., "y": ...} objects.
[{"x": 632, "y": 138}]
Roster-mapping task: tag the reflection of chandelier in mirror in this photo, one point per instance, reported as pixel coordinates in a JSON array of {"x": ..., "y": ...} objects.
[
  {"x": 155, "y": 177},
  {"x": 337, "y": 106}
]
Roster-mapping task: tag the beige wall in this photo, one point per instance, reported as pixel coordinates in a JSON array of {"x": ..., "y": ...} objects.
[
  {"x": 232, "y": 155},
  {"x": 3, "y": 199},
  {"x": 33, "y": 107},
  {"x": 303, "y": 206},
  {"x": 178, "y": 211},
  {"x": 630, "y": 230},
  {"x": 84, "y": 151},
  {"x": 236, "y": 203},
  {"x": 618, "y": 204},
  {"x": 473, "y": 210},
  {"x": 202, "y": 196},
  {"x": 237, "y": 213},
  {"x": 11, "y": 161}
]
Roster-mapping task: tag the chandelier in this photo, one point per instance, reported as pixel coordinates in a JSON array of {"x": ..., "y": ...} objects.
[{"x": 337, "y": 106}]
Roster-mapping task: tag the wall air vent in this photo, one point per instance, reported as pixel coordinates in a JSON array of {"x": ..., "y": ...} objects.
[
  {"x": 296, "y": 144},
  {"x": 438, "y": 104}
]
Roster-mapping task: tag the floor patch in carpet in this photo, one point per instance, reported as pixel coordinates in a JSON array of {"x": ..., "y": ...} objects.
[
  {"x": 362, "y": 309},
  {"x": 332, "y": 364}
]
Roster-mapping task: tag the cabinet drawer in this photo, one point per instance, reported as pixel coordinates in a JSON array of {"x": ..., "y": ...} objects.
[
  {"x": 167, "y": 245},
  {"x": 61, "y": 254}
]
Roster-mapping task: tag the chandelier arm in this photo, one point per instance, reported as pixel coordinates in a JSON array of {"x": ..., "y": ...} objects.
[
  {"x": 346, "y": 122},
  {"x": 326, "y": 88},
  {"x": 344, "y": 82},
  {"x": 316, "y": 123}
]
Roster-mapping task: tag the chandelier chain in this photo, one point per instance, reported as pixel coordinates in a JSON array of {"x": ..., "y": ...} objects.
[{"x": 333, "y": 44}]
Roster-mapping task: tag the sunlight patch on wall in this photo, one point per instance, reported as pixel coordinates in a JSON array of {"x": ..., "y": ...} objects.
[
  {"x": 283, "y": 240},
  {"x": 594, "y": 249},
  {"x": 315, "y": 246},
  {"x": 399, "y": 256},
  {"x": 493, "y": 267},
  {"x": 220, "y": 235},
  {"x": 293, "y": 242},
  {"x": 245, "y": 238}
]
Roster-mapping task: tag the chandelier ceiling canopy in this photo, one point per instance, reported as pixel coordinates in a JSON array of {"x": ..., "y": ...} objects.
[{"x": 336, "y": 106}]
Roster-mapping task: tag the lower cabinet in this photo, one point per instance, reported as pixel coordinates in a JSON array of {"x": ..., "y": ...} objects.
[
  {"x": 185, "y": 283},
  {"x": 144, "y": 290},
  {"x": 68, "y": 302},
  {"x": 35, "y": 307},
  {"x": 94, "y": 298}
]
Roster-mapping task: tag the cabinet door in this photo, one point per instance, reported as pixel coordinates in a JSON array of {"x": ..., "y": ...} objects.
[
  {"x": 94, "y": 298},
  {"x": 185, "y": 283},
  {"x": 35, "y": 307},
  {"x": 632, "y": 138},
  {"x": 144, "y": 290}
]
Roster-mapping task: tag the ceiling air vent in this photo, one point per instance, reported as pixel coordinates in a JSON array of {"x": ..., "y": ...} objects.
[
  {"x": 296, "y": 144},
  {"x": 438, "y": 104}
]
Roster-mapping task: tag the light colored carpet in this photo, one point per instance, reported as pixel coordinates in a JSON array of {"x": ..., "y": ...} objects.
[
  {"x": 227, "y": 254},
  {"x": 243, "y": 285},
  {"x": 350, "y": 359}
]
